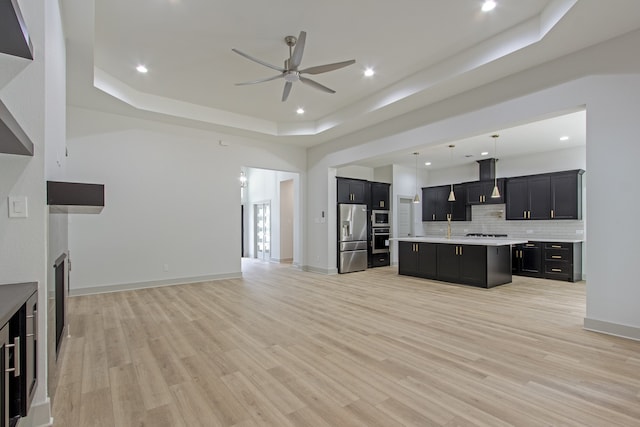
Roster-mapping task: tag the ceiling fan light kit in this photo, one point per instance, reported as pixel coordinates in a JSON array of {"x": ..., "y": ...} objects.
[{"x": 290, "y": 72}]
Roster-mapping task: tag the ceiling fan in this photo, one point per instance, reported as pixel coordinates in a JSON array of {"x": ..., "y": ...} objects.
[{"x": 290, "y": 72}]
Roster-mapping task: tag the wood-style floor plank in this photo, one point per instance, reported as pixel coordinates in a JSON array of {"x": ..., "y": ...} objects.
[{"x": 281, "y": 347}]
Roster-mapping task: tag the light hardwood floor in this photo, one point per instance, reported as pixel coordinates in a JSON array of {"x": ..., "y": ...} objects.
[{"x": 282, "y": 347}]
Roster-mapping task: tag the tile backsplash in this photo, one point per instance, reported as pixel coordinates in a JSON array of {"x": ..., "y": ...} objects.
[{"x": 491, "y": 219}]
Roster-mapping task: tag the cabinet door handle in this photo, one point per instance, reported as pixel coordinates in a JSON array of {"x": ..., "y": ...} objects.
[
  {"x": 556, "y": 246},
  {"x": 456, "y": 250},
  {"x": 521, "y": 254},
  {"x": 434, "y": 217},
  {"x": 460, "y": 250},
  {"x": 524, "y": 213},
  {"x": 552, "y": 214},
  {"x": 530, "y": 245},
  {"x": 382, "y": 203},
  {"x": 556, "y": 256},
  {"x": 557, "y": 270},
  {"x": 16, "y": 357}
]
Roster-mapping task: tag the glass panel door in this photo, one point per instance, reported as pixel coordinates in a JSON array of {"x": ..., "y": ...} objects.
[{"x": 262, "y": 227}]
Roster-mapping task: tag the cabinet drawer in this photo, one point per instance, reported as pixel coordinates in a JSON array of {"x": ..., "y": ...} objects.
[
  {"x": 557, "y": 255},
  {"x": 557, "y": 268},
  {"x": 556, "y": 245},
  {"x": 380, "y": 260}
]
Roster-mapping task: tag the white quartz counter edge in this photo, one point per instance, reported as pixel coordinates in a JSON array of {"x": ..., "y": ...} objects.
[
  {"x": 463, "y": 240},
  {"x": 535, "y": 239}
]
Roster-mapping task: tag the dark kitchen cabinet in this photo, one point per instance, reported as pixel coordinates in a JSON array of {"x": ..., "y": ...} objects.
[
  {"x": 352, "y": 191},
  {"x": 528, "y": 197},
  {"x": 417, "y": 259},
  {"x": 563, "y": 261},
  {"x": 462, "y": 264},
  {"x": 479, "y": 193},
  {"x": 4, "y": 383},
  {"x": 18, "y": 341},
  {"x": 566, "y": 195},
  {"x": 380, "y": 195},
  {"x": 460, "y": 210},
  {"x": 436, "y": 205},
  {"x": 546, "y": 196},
  {"x": 527, "y": 259}
]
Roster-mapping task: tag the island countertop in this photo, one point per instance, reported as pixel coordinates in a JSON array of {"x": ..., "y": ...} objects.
[{"x": 461, "y": 240}]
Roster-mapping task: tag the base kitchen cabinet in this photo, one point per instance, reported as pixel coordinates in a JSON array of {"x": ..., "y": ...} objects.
[
  {"x": 18, "y": 342},
  {"x": 527, "y": 259},
  {"x": 417, "y": 259},
  {"x": 563, "y": 261},
  {"x": 484, "y": 263}
]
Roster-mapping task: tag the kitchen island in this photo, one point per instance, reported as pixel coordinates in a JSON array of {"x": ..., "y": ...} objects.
[{"x": 482, "y": 262}]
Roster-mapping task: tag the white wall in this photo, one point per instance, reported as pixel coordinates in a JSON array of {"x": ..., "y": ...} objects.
[
  {"x": 36, "y": 98},
  {"x": 357, "y": 172},
  {"x": 172, "y": 200}
]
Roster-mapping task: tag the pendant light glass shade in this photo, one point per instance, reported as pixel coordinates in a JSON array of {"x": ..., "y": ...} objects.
[
  {"x": 416, "y": 198},
  {"x": 495, "y": 194}
]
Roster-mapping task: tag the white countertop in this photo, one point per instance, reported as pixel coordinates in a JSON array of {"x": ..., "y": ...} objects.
[
  {"x": 536, "y": 239},
  {"x": 461, "y": 240}
]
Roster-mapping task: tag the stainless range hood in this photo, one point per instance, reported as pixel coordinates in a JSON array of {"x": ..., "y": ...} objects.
[{"x": 75, "y": 197}]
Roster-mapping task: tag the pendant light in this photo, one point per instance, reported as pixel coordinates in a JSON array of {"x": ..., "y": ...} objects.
[
  {"x": 452, "y": 196},
  {"x": 416, "y": 198},
  {"x": 495, "y": 194}
]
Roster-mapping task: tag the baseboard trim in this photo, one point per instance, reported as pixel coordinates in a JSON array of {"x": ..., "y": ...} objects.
[
  {"x": 39, "y": 415},
  {"x": 615, "y": 329},
  {"x": 151, "y": 284},
  {"x": 325, "y": 271}
]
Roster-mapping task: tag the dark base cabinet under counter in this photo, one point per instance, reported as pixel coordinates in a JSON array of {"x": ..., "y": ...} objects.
[
  {"x": 549, "y": 260},
  {"x": 477, "y": 262}
]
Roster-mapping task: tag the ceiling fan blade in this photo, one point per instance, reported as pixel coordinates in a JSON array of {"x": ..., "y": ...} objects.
[
  {"x": 298, "y": 50},
  {"x": 287, "y": 89},
  {"x": 315, "y": 84},
  {"x": 251, "y": 58},
  {"x": 259, "y": 80},
  {"x": 327, "y": 67}
]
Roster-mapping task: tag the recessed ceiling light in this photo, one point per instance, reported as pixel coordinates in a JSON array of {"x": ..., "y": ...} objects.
[
  {"x": 564, "y": 138},
  {"x": 369, "y": 72},
  {"x": 427, "y": 163},
  {"x": 488, "y": 5},
  {"x": 300, "y": 110},
  {"x": 141, "y": 69},
  {"x": 484, "y": 153}
]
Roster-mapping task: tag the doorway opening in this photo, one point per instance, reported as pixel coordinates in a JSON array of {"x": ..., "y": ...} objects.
[{"x": 405, "y": 216}]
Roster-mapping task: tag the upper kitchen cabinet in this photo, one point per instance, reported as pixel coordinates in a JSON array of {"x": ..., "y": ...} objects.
[
  {"x": 546, "y": 196},
  {"x": 352, "y": 190},
  {"x": 479, "y": 193},
  {"x": 435, "y": 206},
  {"x": 566, "y": 195},
  {"x": 380, "y": 195},
  {"x": 528, "y": 197},
  {"x": 460, "y": 210}
]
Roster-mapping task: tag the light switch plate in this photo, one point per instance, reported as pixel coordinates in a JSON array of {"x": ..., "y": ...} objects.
[{"x": 18, "y": 207}]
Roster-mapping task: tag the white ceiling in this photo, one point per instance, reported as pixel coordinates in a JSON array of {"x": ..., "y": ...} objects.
[{"x": 422, "y": 52}]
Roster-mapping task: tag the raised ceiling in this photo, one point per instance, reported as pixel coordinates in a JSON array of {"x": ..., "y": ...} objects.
[{"x": 421, "y": 51}]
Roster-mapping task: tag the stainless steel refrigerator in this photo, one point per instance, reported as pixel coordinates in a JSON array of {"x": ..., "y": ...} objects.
[{"x": 352, "y": 238}]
